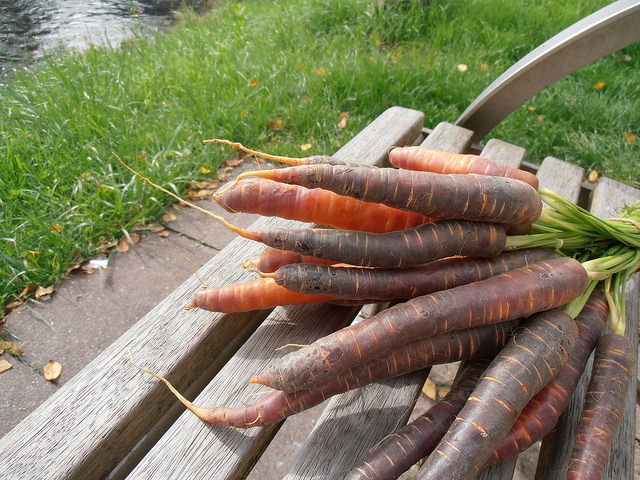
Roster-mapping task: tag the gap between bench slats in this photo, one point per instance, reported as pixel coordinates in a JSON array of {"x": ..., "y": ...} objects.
[{"x": 193, "y": 449}]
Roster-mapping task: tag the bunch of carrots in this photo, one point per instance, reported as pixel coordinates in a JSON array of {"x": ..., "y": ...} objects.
[{"x": 476, "y": 271}]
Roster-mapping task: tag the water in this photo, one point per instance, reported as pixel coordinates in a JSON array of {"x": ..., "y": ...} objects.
[{"x": 30, "y": 28}]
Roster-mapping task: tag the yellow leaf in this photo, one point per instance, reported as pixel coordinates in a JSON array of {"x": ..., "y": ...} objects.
[
  {"x": 627, "y": 58},
  {"x": 205, "y": 170},
  {"x": 320, "y": 70},
  {"x": 253, "y": 83},
  {"x": 630, "y": 138},
  {"x": 275, "y": 124},
  {"x": 169, "y": 217},
  {"x": 52, "y": 370},
  {"x": 462, "y": 67},
  {"x": 42, "y": 291},
  {"x": 593, "y": 176},
  {"x": 484, "y": 67},
  {"x": 33, "y": 252},
  {"x": 305, "y": 147},
  {"x": 599, "y": 85},
  {"x": 56, "y": 228},
  {"x": 531, "y": 108},
  {"x": 429, "y": 389},
  {"x": 4, "y": 366},
  {"x": 342, "y": 124}
]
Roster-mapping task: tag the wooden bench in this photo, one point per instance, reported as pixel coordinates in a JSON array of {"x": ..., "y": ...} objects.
[{"x": 112, "y": 421}]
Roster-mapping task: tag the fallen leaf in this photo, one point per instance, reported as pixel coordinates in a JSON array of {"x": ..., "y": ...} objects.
[
  {"x": 541, "y": 117},
  {"x": 135, "y": 237},
  {"x": 27, "y": 289},
  {"x": 429, "y": 389},
  {"x": 442, "y": 392},
  {"x": 599, "y": 85},
  {"x": 320, "y": 70},
  {"x": 56, "y": 228},
  {"x": 11, "y": 348},
  {"x": 253, "y": 83},
  {"x": 531, "y": 108},
  {"x": 52, "y": 370},
  {"x": 123, "y": 245},
  {"x": 484, "y": 67},
  {"x": 14, "y": 304},
  {"x": 305, "y": 147},
  {"x": 232, "y": 163},
  {"x": 462, "y": 67},
  {"x": 627, "y": 58},
  {"x": 169, "y": 217},
  {"x": 4, "y": 366},
  {"x": 73, "y": 267},
  {"x": 275, "y": 124},
  {"x": 164, "y": 233},
  {"x": 205, "y": 170},
  {"x": 42, "y": 291},
  {"x": 630, "y": 138},
  {"x": 156, "y": 227},
  {"x": 33, "y": 252},
  {"x": 342, "y": 124},
  {"x": 593, "y": 176},
  {"x": 205, "y": 193},
  {"x": 175, "y": 206}
]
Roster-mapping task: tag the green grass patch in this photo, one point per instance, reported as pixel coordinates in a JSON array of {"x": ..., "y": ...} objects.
[{"x": 235, "y": 71}]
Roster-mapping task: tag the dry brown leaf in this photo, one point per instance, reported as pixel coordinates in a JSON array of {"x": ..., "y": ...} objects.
[
  {"x": 164, "y": 233},
  {"x": 73, "y": 267},
  {"x": 205, "y": 193},
  {"x": 631, "y": 138},
  {"x": 429, "y": 389},
  {"x": 232, "y": 163},
  {"x": 320, "y": 70},
  {"x": 484, "y": 67},
  {"x": 88, "y": 270},
  {"x": 52, "y": 370},
  {"x": 275, "y": 124},
  {"x": 123, "y": 245},
  {"x": 156, "y": 227},
  {"x": 342, "y": 124},
  {"x": 593, "y": 176},
  {"x": 11, "y": 348},
  {"x": 135, "y": 237},
  {"x": 42, "y": 291},
  {"x": 14, "y": 304},
  {"x": 4, "y": 366},
  {"x": 27, "y": 289},
  {"x": 599, "y": 85},
  {"x": 169, "y": 217}
]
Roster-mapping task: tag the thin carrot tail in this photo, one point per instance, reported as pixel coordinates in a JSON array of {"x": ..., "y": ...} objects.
[
  {"x": 199, "y": 411},
  {"x": 266, "y": 156},
  {"x": 240, "y": 231}
]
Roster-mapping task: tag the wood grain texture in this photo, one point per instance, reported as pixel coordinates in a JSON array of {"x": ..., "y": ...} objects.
[
  {"x": 193, "y": 449},
  {"x": 562, "y": 177},
  {"x": 557, "y": 445},
  {"x": 355, "y": 421}
]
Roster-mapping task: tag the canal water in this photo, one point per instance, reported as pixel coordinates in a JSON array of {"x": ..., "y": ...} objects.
[{"x": 30, "y": 28}]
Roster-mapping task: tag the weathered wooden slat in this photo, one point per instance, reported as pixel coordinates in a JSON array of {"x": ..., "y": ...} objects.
[
  {"x": 504, "y": 152},
  {"x": 561, "y": 176},
  {"x": 193, "y": 449},
  {"x": 354, "y": 422},
  {"x": 556, "y": 447}
]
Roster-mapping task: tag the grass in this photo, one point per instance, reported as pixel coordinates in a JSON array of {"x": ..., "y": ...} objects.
[{"x": 274, "y": 75}]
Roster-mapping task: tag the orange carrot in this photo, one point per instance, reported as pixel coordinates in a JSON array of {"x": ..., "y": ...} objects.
[
  {"x": 269, "y": 198},
  {"x": 427, "y": 160},
  {"x": 271, "y": 259},
  {"x": 253, "y": 295}
]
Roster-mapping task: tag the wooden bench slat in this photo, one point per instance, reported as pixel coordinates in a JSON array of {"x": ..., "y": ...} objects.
[
  {"x": 556, "y": 448},
  {"x": 191, "y": 448},
  {"x": 355, "y": 421}
]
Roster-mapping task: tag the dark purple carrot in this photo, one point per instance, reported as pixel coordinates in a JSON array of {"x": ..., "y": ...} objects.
[
  {"x": 413, "y": 246},
  {"x": 322, "y": 207},
  {"x": 541, "y": 414},
  {"x": 454, "y": 196},
  {"x": 397, "y": 452},
  {"x": 278, "y": 405},
  {"x": 536, "y": 352},
  {"x": 515, "y": 294},
  {"x": 603, "y": 406},
  {"x": 400, "y": 283}
]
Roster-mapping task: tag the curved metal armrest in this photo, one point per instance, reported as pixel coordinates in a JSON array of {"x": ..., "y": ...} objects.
[{"x": 607, "y": 30}]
